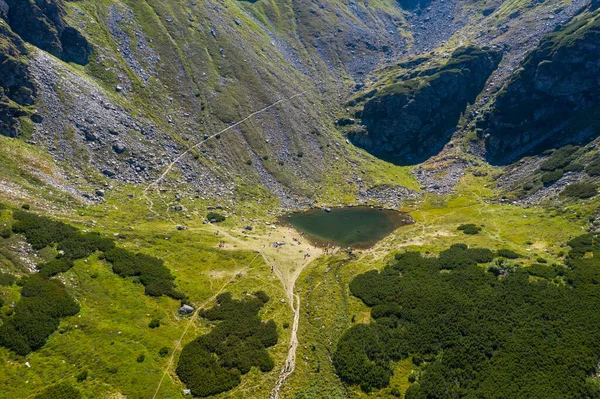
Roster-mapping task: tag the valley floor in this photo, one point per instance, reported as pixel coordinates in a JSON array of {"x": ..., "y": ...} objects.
[{"x": 308, "y": 290}]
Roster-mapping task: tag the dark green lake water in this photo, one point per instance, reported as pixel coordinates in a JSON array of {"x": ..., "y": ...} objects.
[{"x": 358, "y": 227}]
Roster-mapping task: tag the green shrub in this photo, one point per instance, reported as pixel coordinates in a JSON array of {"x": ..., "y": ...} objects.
[
  {"x": 54, "y": 267},
  {"x": 574, "y": 167},
  {"x": 164, "y": 351},
  {"x": 37, "y": 314},
  {"x": 154, "y": 323},
  {"x": 508, "y": 254},
  {"x": 7, "y": 279},
  {"x": 5, "y": 232},
  {"x": 551, "y": 177},
  {"x": 580, "y": 190},
  {"x": 82, "y": 376},
  {"x": 62, "y": 390},
  {"x": 140, "y": 358},
  {"x": 469, "y": 229},
  {"x": 559, "y": 159},
  {"x": 26, "y": 207},
  {"x": 528, "y": 186},
  {"x": 481, "y": 255},
  {"x": 214, "y": 362},
  {"x": 593, "y": 168},
  {"x": 215, "y": 217}
]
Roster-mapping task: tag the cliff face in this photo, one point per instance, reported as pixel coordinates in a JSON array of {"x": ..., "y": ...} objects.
[
  {"x": 409, "y": 121},
  {"x": 41, "y": 23},
  {"x": 553, "y": 99},
  {"x": 16, "y": 87}
]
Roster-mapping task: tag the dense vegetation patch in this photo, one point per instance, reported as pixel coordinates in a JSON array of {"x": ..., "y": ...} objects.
[
  {"x": 469, "y": 228},
  {"x": 59, "y": 391},
  {"x": 580, "y": 190},
  {"x": 215, "y": 362},
  {"x": 44, "y": 301},
  {"x": 593, "y": 169},
  {"x": 7, "y": 279},
  {"x": 152, "y": 272},
  {"x": 551, "y": 177},
  {"x": 508, "y": 254},
  {"x": 559, "y": 159},
  {"x": 215, "y": 217},
  {"x": 37, "y": 314},
  {"x": 41, "y": 232},
  {"x": 477, "y": 335}
]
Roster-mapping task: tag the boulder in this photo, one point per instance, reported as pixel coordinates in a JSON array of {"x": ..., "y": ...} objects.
[{"x": 186, "y": 309}]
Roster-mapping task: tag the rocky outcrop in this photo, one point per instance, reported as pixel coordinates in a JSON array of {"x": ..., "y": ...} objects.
[
  {"x": 554, "y": 97},
  {"x": 16, "y": 87},
  {"x": 41, "y": 23},
  {"x": 409, "y": 121}
]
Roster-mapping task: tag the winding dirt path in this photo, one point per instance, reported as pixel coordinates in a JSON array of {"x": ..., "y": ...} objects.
[
  {"x": 260, "y": 111},
  {"x": 294, "y": 263}
]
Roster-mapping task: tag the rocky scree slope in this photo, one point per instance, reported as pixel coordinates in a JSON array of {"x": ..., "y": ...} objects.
[
  {"x": 408, "y": 121},
  {"x": 164, "y": 76},
  {"x": 553, "y": 99},
  {"x": 42, "y": 24}
]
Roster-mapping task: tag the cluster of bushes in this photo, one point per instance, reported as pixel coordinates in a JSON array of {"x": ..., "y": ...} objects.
[
  {"x": 469, "y": 228},
  {"x": 476, "y": 335},
  {"x": 41, "y": 232},
  {"x": 215, "y": 362},
  {"x": 62, "y": 390},
  {"x": 580, "y": 190},
  {"x": 593, "y": 168},
  {"x": 152, "y": 272},
  {"x": 44, "y": 302},
  {"x": 508, "y": 254},
  {"x": 561, "y": 161},
  {"x": 215, "y": 217},
  {"x": 54, "y": 267},
  {"x": 37, "y": 314},
  {"x": 7, "y": 279}
]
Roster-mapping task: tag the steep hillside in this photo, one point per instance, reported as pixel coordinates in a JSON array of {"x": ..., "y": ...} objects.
[
  {"x": 553, "y": 99},
  {"x": 410, "y": 119},
  {"x": 164, "y": 77}
]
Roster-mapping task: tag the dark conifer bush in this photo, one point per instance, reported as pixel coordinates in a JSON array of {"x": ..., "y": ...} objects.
[
  {"x": 62, "y": 390},
  {"x": 215, "y": 362},
  {"x": 469, "y": 228},
  {"x": 580, "y": 190},
  {"x": 37, "y": 314},
  {"x": 482, "y": 335}
]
